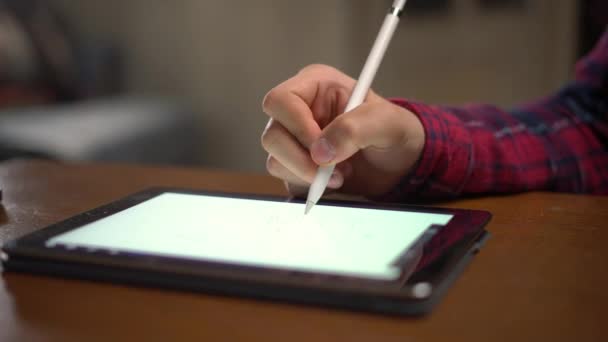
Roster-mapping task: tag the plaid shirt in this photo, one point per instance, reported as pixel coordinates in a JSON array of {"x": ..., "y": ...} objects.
[{"x": 557, "y": 144}]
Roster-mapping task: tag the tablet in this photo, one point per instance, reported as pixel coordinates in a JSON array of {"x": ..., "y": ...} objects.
[{"x": 385, "y": 258}]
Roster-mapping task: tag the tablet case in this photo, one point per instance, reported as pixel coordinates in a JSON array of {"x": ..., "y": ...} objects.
[{"x": 353, "y": 301}]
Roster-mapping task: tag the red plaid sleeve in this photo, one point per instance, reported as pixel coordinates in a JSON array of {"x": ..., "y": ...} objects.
[{"x": 557, "y": 144}]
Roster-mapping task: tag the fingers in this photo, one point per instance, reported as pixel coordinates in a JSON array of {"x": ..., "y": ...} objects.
[
  {"x": 296, "y": 185},
  {"x": 309, "y": 98},
  {"x": 288, "y": 160},
  {"x": 288, "y": 153},
  {"x": 378, "y": 125},
  {"x": 307, "y": 129},
  {"x": 298, "y": 108},
  {"x": 289, "y": 109},
  {"x": 278, "y": 170}
]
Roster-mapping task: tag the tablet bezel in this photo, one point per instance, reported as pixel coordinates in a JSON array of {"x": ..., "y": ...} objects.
[{"x": 31, "y": 249}]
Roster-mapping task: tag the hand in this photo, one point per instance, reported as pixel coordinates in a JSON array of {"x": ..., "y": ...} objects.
[{"x": 373, "y": 145}]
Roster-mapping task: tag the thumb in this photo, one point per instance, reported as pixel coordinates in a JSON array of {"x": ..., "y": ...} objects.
[{"x": 380, "y": 125}]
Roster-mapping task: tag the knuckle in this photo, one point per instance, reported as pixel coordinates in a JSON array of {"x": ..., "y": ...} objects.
[
  {"x": 271, "y": 99},
  {"x": 301, "y": 135},
  {"x": 272, "y": 165},
  {"x": 270, "y": 137},
  {"x": 346, "y": 127},
  {"x": 316, "y": 68}
]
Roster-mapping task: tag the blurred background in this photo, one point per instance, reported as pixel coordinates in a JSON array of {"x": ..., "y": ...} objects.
[{"x": 181, "y": 82}]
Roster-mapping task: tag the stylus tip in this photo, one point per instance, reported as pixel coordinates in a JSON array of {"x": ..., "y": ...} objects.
[{"x": 309, "y": 206}]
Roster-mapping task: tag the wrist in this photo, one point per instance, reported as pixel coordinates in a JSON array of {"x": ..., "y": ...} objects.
[{"x": 431, "y": 144}]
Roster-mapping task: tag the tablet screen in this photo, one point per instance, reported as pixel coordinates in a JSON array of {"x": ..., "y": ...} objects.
[{"x": 330, "y": 239}]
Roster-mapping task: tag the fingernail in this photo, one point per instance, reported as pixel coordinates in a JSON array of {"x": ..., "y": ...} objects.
[
  {"x": 336, "y": 180},
  {"x": 322, "y": 151}
]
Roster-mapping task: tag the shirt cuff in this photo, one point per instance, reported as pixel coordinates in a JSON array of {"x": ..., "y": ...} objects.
[{"x": 416, "y": 183}]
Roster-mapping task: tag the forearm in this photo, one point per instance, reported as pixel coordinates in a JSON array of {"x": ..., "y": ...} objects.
[{"x": 550, "y": 146}]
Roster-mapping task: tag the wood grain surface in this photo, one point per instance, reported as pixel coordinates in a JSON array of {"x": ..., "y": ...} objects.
[{"x": 541, "y": 277}]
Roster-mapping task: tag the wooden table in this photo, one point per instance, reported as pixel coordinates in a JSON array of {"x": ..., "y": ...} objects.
[{"x": 543, "y": 276}]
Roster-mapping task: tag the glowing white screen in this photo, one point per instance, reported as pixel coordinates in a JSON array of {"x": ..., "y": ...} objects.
[{"x": 330, "y": 239}]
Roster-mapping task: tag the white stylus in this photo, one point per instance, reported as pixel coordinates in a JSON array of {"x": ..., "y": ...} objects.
[{"x": 368, "y": 73}]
